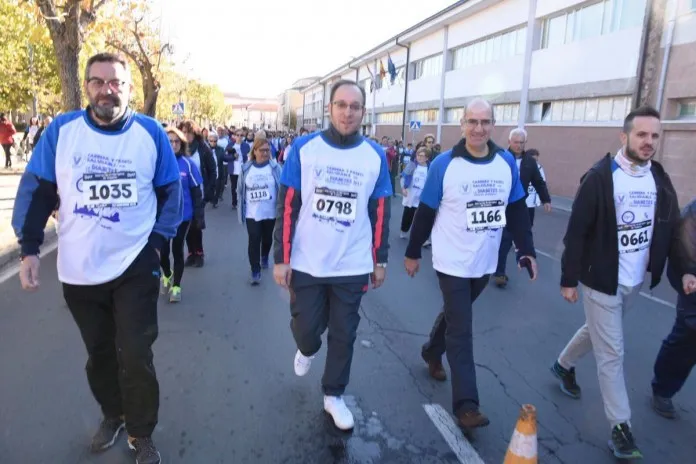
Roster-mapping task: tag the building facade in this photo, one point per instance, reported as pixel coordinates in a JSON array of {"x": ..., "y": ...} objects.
[
  {"x": 253, "y": 112},
  {"x": 290, "y": 101},
  {"x": 566, "y": 70}
]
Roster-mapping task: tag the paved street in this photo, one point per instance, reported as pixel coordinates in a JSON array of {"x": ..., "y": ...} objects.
[{"x": 229, "y": 394}]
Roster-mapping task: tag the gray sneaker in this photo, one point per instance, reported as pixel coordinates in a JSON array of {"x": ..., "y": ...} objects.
[
  {"x": 145, "y": 450},
  {"x": 107, "y": 433},
  {"x": 664, "y": 407}
]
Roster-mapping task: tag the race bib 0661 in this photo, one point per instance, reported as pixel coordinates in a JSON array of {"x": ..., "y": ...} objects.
[
  {"x": 634, "y": 237},
  {"x": 337, "y": 204},
  {"x": 485, "y": 215},
  {"x": 110, "y": 189}
]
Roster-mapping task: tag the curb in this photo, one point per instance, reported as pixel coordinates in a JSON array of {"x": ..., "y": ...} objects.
[{"x": 10, "y": 254}]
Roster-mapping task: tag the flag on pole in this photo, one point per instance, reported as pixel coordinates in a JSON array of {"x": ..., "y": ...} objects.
[
  {"x": 382, "y": 71},
  {"x": 392, "y": 69}
]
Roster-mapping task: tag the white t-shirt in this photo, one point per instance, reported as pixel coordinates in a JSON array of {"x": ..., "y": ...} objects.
[
  {"x": 261, "y": 193},
  {"x": 417, "y": 183},
  {"x": 237, "y": 165},
  {"x": 533, "y": 199},
  {"x": 470, "y": 199},
  {"x": 333, "y": 234},
  {"x": 634, "y": 199}
]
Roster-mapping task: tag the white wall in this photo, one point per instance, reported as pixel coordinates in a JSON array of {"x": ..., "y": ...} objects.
[
  {"x": 424, "y": 89},
  {"x": 485, "y": 79},
  {"x": 350, "y": 75},
  {"x": 546, "y": 7},
  {"x": 685, "y": 30},
  {"x": 364, "y": 73},
  {"x": 388, "y": 96},
  {"x": 612, "y": 56},
  {"x": 499, "y": 17},
  {"x": 427, "y": 46}
]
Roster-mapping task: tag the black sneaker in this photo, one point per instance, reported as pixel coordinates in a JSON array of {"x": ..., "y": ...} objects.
[
  {"x": 622, "y": 443},
  {"x": 107, "y": 433},
  {"x": 145, "y": 451},
  {"x": 500, "y": 281},
  {"x": 664, "y": 407},
  {"x": 199, "y": 261},
  {"x": 190, "y": 260},
  {"x": 567, "y": 377},
  {"x": 264, "y": 263}
]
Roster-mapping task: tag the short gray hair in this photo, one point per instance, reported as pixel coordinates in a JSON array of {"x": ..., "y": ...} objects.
[
  {"x": 517, "y": 131},
  {"x": 213, "y": 134},
  {"x": 479, "y": 100}
]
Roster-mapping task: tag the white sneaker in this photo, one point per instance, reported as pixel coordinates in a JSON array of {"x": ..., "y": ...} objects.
[
  {"x": 403, "y": 235},
  {"x": 302, "y": 364},
  {"x": 427, "y": 243},
  {"x": 336, "y": 407}
]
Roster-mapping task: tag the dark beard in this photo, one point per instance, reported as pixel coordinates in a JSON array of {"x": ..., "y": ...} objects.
[
  {"x": 109, "y": 114},
  {"x": 633, "y": 156}
]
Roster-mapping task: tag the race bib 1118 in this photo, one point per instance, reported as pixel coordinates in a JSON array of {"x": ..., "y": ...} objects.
[{"x": 110, "y": 189}]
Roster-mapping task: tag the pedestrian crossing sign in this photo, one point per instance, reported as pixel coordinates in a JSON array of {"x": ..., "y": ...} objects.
[
  {"x": 414, "y": 126},
  {"x": 178, "y": 108}
]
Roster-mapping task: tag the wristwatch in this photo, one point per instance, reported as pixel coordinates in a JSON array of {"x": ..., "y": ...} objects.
[{"x": 383, "y": 265}]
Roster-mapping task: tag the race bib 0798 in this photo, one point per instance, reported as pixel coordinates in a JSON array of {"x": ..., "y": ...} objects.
[
  {"x": 110, "y": 189},
  {"x": 485, "y": 215},
  {"x": 337, "y": 204}
]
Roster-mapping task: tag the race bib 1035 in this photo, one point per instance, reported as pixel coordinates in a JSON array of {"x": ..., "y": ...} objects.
[{"x": 110, "y": 189}]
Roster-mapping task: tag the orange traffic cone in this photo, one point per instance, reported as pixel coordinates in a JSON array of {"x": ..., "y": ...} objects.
[{"x": 523, "y": 445}]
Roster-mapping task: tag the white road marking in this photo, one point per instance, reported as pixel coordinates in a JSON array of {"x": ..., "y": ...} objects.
[
  {"x": 452, "y": 434},
  {"x": 643, "y": 294},
  {"x": 14, "y": 269}
]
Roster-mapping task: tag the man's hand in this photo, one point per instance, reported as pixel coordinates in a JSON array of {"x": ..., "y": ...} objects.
[
  {"x": 570, "y": 294},
  {"x": 282, "y": 274},
  {"x": 411, "y": 266},
  {"x": 533, "y": 263},
  {"x": 29, "y": 272},
  {"x": 378, "y": 275},
  {"x": 689, "y": 283},
  {"x": 404, "y": 192},
  {"x": 547, "y": 207}
]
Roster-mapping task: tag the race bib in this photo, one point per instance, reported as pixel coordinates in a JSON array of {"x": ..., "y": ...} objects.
[
  {"x": 260, "y": 194},
  {"x": 634, "y": 237},
  {"x": 110, "y": 189},
  {"x": 485, "y": 215},
  {"x": 337, "y": 204},
  {"x": 531, "y": 190}
]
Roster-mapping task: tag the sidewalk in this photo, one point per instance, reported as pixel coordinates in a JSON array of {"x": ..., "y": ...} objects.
[
  {"x": 562, "y": 203},
  {"x": 9, "y": 248}
]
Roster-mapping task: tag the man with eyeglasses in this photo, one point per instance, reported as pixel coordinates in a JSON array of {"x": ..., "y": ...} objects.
[
  {"x": 471, "y": 193},
  {"x": 236, "y": 155},
  {"x": 331, "y": 235},
  {"x": 120, "y": 201}
]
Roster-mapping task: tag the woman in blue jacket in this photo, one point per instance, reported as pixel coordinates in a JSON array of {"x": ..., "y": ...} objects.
[
  {"x": 191, "y": 181},
  {"x": 258, "y": 191}
]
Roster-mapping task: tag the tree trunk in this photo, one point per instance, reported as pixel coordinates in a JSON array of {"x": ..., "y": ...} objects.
[
  {"x": 150, "y": 94},
  {"x": 69, "y": 72}
]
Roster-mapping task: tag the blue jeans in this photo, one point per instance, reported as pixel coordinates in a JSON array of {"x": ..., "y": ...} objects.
[{"x": 678, "y": 352}]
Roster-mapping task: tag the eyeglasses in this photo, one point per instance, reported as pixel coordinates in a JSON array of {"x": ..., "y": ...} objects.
[
  {"x": 341, "y": 105},
  {"x": 485, "y": 123},
  {"x": 264, "y": 150},
  {"x": 97, "y": 84},
  {"x": 173, "y": 141}
]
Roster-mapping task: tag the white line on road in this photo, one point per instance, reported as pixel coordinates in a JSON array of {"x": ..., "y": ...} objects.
[
  {"x": 452, "y": 435},
  {"x": 14, "y": 269},
  {"x": 643, "y": 294}
]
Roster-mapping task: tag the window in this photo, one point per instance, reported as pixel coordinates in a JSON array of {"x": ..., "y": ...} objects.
[
  {"x": 491, "y": 49},
  {"x": 454, "y": 115},
  {"x": 603, "y": 17},
  {"x": 506, "y": 113},
  {"x": 610, "y": 109},
  {"x": 389, "y": 118},
  {"x": 428, "y": 67},
  {"x": 687, "y": 109},
  {"x": 425, "y": 116}
]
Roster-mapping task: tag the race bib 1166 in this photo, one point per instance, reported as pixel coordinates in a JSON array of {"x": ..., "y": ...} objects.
[
  {"x": 110, "y": 189},
  {"x": 485, "y": 215},
  {"x": 337, "y": 204}
]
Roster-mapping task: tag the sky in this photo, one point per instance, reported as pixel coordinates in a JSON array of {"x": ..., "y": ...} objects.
[{"x": 260, "y": 47}]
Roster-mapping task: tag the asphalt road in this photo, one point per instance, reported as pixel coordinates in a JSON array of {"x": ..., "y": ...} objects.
[{"x": 229, "y": 394}]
